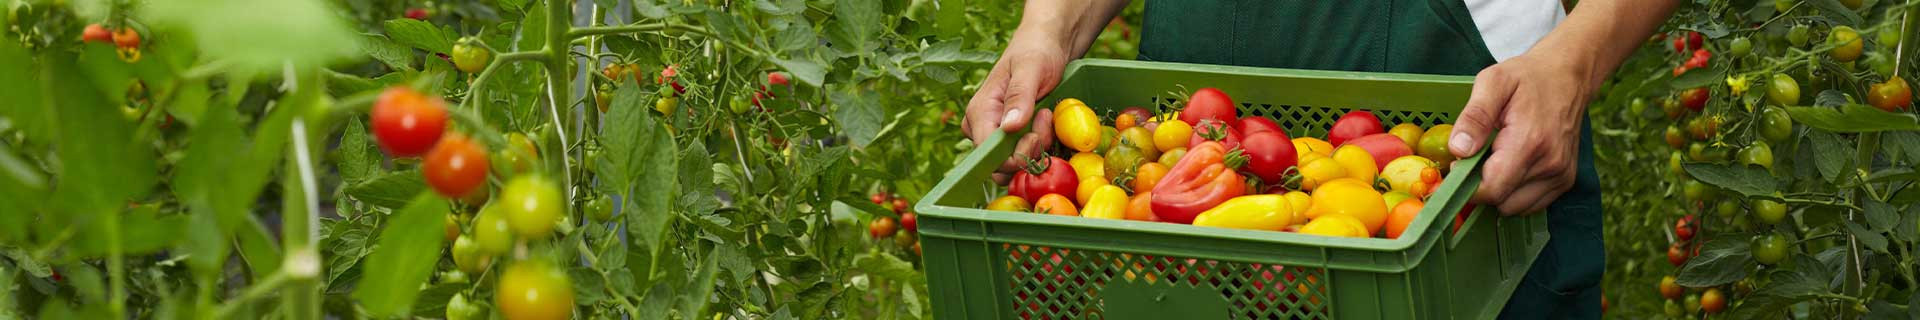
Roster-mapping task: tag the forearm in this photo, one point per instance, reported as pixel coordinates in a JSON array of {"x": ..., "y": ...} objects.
[
  {"x": 1599, "y": 34},
  {"x": 1072, "y": 24}
]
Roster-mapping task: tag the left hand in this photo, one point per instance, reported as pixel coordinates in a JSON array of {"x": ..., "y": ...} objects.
[{"x": 1537, "y": 101}]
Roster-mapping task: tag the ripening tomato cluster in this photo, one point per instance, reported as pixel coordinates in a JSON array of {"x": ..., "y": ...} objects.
[
  {"x": 1206, "y": 165},
  {"x": 407, "y": 123},
  {"x": 883, "y": 227},
  {"x": 125, "y": 40}
]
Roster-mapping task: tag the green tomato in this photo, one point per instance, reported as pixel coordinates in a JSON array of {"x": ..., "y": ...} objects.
[
  {"x": 600, "y": 209},
  {"x": 532, "y": 204},
  {"x": 492, "y": 231},
  {"x": 739, "y": 105},
  {"x": 1695, "y": 191},
  {"x": 1881, "y": 65},
  {"x": 1775, "y": 125},
  {"x": 1122, "y": 159},
  {"x": 1727, "y": 208},
  {"x": 1779, "y": 6},
  {"x": 469, "y": 57},
  {"x": 1141, "y": 140},
  {"x": 1770, "y": 249},
  {"x": 468, "y": 257},
  {"x": 1697, "y": 151},
  {"x": 1693, "y": 303},
  {"x": 1673, "y": 310},
  {"x": 1757, "y": 154},
  {"x": 1783, "y": 90},
  {"x": 1673, "y": 165},
  {"x": 458, "y": 308},
  {"x": 1638, "y": 106},
  {"x": 1739, "y": 47},
  {"x": 1799, "y": 34},
  {"x": 1769, "y": 211}
]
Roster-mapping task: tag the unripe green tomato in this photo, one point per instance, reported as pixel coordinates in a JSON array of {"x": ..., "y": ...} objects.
[
  {"x": 470, "y": 58},
  {"x": 904, "y": 239},
  {"x": 532, "y": 204},
  {"x": 1673, "y": 310},
  {"x": 1770, "y": 249},
  {"x": 1123, "y": 158},
  {"x": 600, "y": 209},
  {"x": 1775, "y": 125},
  {"x": 1739, "y": 47},
  {"x": 1638, "y": 107},
  {"x": 1849, "y": 44},
  {"x": 1881, "y": 65},
  {"x": 1694, "y": 191},
  {"x": 1769, "y": 211},
  {"x": 1673, "y": 165},
  {"x": 1757, "y": 154},
  {"x": 492, "y": 231},
  {"x": 1693, "y": 303},
  {"x": 458, "y": 308},
  {"x": 1799, "y": 34},
  {"x": 1697, "y": 151},
  {"x": 739, "y": 105},
  {"x": 1728, "y": 208},
  {"x": 1783, "y": 90},
  {"x": 1781, "y": 6},
  {"x": 468, "y": 257}
]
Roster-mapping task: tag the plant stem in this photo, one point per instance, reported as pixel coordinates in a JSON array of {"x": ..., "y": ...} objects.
[
  {"x": 116, "y": 267},
  {"x": 258, "y": 290},
  {"x": 634, "y": 28},
  {"x": 559, "y": 82},
  {"x": 478, "y": 87}
]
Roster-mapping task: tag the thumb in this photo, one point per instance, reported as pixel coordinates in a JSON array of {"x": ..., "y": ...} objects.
[
  {"x": 1485, "y": 106},
  {"x": 1029, "y": 81}
]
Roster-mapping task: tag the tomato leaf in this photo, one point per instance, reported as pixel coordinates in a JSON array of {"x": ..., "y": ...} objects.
[
  {"x": 358, "y": 159},
  {"x": 1793, "y": 285},
  {"x": 1838, "y": 12},
  {"x": 795, "y": 36},
  {"x": 1872, "y": 239},
  {"x": 404, "y": 258},
  {"x": 650, "y": 9},
  {"x": 1912, "y": 218},
  {"x": 858, "y": 114},
  {"x": 699, "y": 289},
  {"x": 1853, "y": 118},
  {"x": 640, "y": 162},
  {"x": 1745, "y": 179},
  {"x": 695, "y": 170},
  {"x": 781, "y": 7},
  {"x": 807, "y": 72},
  {"x": 1830, "y": 153},
  {"x": 392, "y": 54},
  {"x": 1761, "y": 306},
  {"x": 262, "y": 37},
  {"x": 1700, "y": 78},
  {"x": 389, "y": 191},
  {"x": 885, "y": 266},
  {"x": 856, "y": 23},
  {"x": 1721, "y": 261},
  {"x": 1880, "y": 216},
  {"x": 1901, "y": 145},
  {"x": 1830, "y": 98}
]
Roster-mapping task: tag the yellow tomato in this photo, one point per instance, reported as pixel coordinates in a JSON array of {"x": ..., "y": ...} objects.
[
  {"x": 1299, "y": 202},
  {"x": 1108, "y": 202},
  {"x": 1402, "y": 172},
  {"x": 1171, "y": 134},
  {"x": 1075, "y": 125},
  {"x": 1302, "y": 147},
  {"x": 1009, "y": 203},
  {"x": 1256, "y": 212},
  {"x": 1407, "y": 132},
  {"x": 1335, "y": 226},
  {"x": 1347, "y": 197},
  {"x": 1163, "y": 118},
  {"x": 1358, "y": 162},
  {"x": 1087, "y": 164},
  {"x": 1319, "y": 170},
  {"x": 1085, "y": 190},
  {"x": 1142, "y": 140}
]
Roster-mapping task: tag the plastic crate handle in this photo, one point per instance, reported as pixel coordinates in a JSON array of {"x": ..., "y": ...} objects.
[{"x": 1464, "y": 193}]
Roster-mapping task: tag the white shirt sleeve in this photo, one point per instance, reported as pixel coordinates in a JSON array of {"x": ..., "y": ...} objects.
[{"x": 1510, "y": 27}]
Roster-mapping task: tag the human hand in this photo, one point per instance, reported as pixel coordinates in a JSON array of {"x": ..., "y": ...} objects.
[
  {"x": 1030, "y": 67},
  {"x": 1536, "y": 100}
]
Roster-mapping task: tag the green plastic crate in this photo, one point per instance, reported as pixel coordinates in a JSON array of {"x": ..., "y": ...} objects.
[{"x": 1011, "y": 265}]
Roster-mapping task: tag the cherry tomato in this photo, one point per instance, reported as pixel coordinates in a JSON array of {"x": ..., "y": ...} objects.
[
  {"x": 600, "y": 209},
  {"x": 534, "y": 290},
  {"x": 468, "y": 256},
  {"x": 1172, "y": 134},
  {"x": 1056, "y": 204},
  {"x": 666, "y": 78},
  {"x": 1770, "y": 249},
  {"x": 1892, "y": 95},
  {"x": 1140, "y": 207},
  {"x": 1769, "y": 211},
  {"x": 603, "y": 98},
  {"x": 777, "y": 78},
  {"x": 1713, "y": 301},
  {"x": 905, "y": 240},
  {"x": 1684, "y": 228},
  {"x": 1799, "y": 34},
  {"x": 1775, "y": 125},
  {"x": 1009, "y": 203},
  {"x": 881, "y": 228},
  {"x": 492, "y": 231},
  {"x": 96, "y": 33},
  {"x": 1148, "y": 176},
  {"x": 126, "y": 38},
  {"x": 1694, "y": 99},
  {"x": 533, "y": 204},
  {"x": 1740, "y": 46},
  {"x": 1050, "y": 175},
  {"x": 666, "y": 104},
  {"x": 455, "y": 167},
  {"x": 879, "y": 198},
  {"x": 1676, "y": 255},
  {"x": 1849, "y": 43},
  {"x": 470, "y": 57},
  {"x": 459, "y": 309},
  {"x": 1757, "y": 154},
  {"x": 1208, "y": 104},
  {"x": 900, "y": 205},
  {"x": 407, "y": 123},
  {"x": 1670, "y": 288},
  {"x": 1676, "y": 139},
  {"x": 417, "y": 13},
  {"x": 1075, "y": 125},
  {"x": 1138, "y": 138},
  {"x": 910, "y": 221}
]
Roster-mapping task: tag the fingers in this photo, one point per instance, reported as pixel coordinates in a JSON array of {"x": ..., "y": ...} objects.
[
  {"x": 984, "y": 111},
  {"x": 1485, "y": 107},
  {"x": 1534, "y": 196},
  {"x": 1032, "y": 144},
  {"x": 1504, "y": 169},
  {"x": 1031, "y": 78}
]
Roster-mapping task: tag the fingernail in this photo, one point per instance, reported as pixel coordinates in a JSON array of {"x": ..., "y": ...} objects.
[
  {"x": 1012, "y": 115},
  {"x": 1461, "y": 141}
]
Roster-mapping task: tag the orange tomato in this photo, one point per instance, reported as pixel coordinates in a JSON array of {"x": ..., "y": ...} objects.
[
  {"x": 1056, "y": 204},
  {"x": 1148, "y": 176},
  {"x": 1140, "y": 208},
  {"x": 1401, "y": 216}
]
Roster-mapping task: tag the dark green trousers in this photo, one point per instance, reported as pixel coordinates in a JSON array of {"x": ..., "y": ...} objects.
[{"x": 1403, "y": 36}]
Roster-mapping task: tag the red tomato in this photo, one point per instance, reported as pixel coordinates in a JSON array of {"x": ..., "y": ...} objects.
[
  {"x": 1695, "y": 41},
  {"x": 1699, "y": 59},
  {"x": 1684, "y": 228},
  {"x": 1353, "y": 125},
  {"x": 1269, "y": 154},
  {"x": 666, "y": 77},
  {"x": 96, "y": 33},
  {"x": 406, "y": 123},
  {"x": 455, "y": 167},
  {"x": 1383, "y": 147},
  {"x": 777, "y": 78},
  {"x": 1199, "y": 182},
  {"x": 1140, "y": 117},
  {"x": 1210, "y": 104},
  {"x": 910, "y": 221},
  {"x": 417, "y": 13},
  {"x": 1676, "y": 255},
  {"x": 1694, "y": 99},
  {"x": 1215, "y": 131},
  {"x": 126, "y": 38},
  {"x": 1051, "y": 175},
  {"x": 1252, "y": 125}
]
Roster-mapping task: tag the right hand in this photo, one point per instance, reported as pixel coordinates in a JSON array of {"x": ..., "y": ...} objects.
[{"x": 1028, "y": 70}]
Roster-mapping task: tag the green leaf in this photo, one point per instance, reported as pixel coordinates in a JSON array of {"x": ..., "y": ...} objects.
[
  {"x": 1836, "y": 11},
  {"x": 1830, "y": 98},
  {"x": 857, "y": 22},
  {"x": 1721, "y": 261},
  {"x": 419, "y": 34},
  {"x": 641, "y": 158},
  {"x": 359, "y": 160},
  {"x": 1760, "y": 307},
  {"x": 533, "y": 29},
  {"x": 696, "y": 181},
  {"x": 795, "y": 37},
  {"x": 1901, "y": 145},
  {"x": 650, "y": 9},
  {"x": 1700, "y": 78},
  {"x": 262, "y": 36},
  {"x": 1912, "y": 218},
  {"x": 1747, "y": 180},
  {"x": 699, "y": 291},
  {"x": 885, "y": 266},
  {"x": 635, "y": 50},
  {"x": 727, "y": 26},
  {"x": 404, "y": 258},
  {"x": 807, "y": 72},
  {"x": 950, "y": 52},
  {"x": 389, "y": 191},
  {"x": 859, "y": 115},
  {"x": 392, "y": 54},
  {"x": 142, "y": 231},
  {"x": 1872, "y": 239},
  {"x": 1830, "y": 153},
  {"x": 1880, "y": 216},
  {"x": 781, "y": 7},
  {"x": 1853, "y": 118},
  {"x": 99, "y": 165}
]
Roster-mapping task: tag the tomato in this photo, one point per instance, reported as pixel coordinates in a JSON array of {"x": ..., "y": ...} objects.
[
  {"x": 1084, "y": 191},
  {"x": 492, "y": 231},
  {"x": 1109, "y": 137},
  {"x": 1318, "y": 170},
  {"x": 1009, "y": 203},
  {"x": 1269, "y": 153},
  {"x": 666, "y": 78},
  {"x": 1335, "y": 226},
  {"x": 777, "y": 79},
  {"x": 1358, "y": 163},
  {"x": 1757, "y": 154},
  {"x": 1172, "y": 157},
  {"x": 1769, "y": 211},
  {"x": 1685, "y": 227},
  {"x": 1255, "y": 212},
  {"x": 1713, "y": 301},
  {"x": 126, "y": 38},
  {"x": 533, "y": 204},
  {"x": 1740, "y": 46},
  {"x": 1892, "y": 95},
  {"x": 459, "y": 309},
  {"x": 416, "y": 13},
  {"x": 1699, "y": 59},
  {"x": 407, "y": 123},
  {"x": 1693, "y": 303},
  {"x": 1353, "y": 125},
  {"x": 1770, "y": 249},
  {"x": 1126, "y": 121},
  {"x": 603, "y": 98},
  {"x": 1251, "y": 125},
  {"x": 1403, "y": 172},
  {"x": 1696, "y": 192},
  {"x": 900, "y": 205},
  {"x": 1676, "y": 255},
  {"x": 1783, "y": 90},
  {"x": 95, "y": 33},
  {"x": 1775, "y": 125},
  {"x": 600, "y": 209},
  {"x": 1401, "y": 216},
  {"x": 1670, "y": 288},
  {"x": 1148, "y": 175},
  {"x": 455, "y": 167},
  {"x": 1107, "y": 202},
  {"x": 517, "y": 157},
  {"x": 469, "y": 257},
  {"x": 1433, "y": 145},
  {"x": 1056, "y": 204},
  {"x": 1075, "y": 125},
  {"x": 1383, "y": 147},
  {"x": 1848, "y": 44},
  {"x": 1695, "y": 41},
  {"x": 1140, "y": 140},
  {"x": 1171, "y": 134},
  {"x": 881, "y": 227},
  {"x": 1087, "y": 164},
  {"x": 1675, "y": 139},
  {"x": 534, "y": 290},
  {"x": 1350, "y": 197},
  {"x": 1410, "y": 133},
  {"x": 739, "y": 105},
  {"x": 1799, "y": 34},
  {"x": 1050, "y": 175},
  {"x": 1140, "y": 207},
  {"x": 905, "y": 240},
  {"x": 1209, "y": 130},
  {"x": 452, "y": 227},
  {"x": 1694, "y": 99},
  {"x": 1209, "y": 104},
  {"x": 1199, "y": 182},
  {"x": 470, "y": 58}
]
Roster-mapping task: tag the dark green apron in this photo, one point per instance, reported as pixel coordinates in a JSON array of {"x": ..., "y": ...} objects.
[{"x": 1405, "y": 36}]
